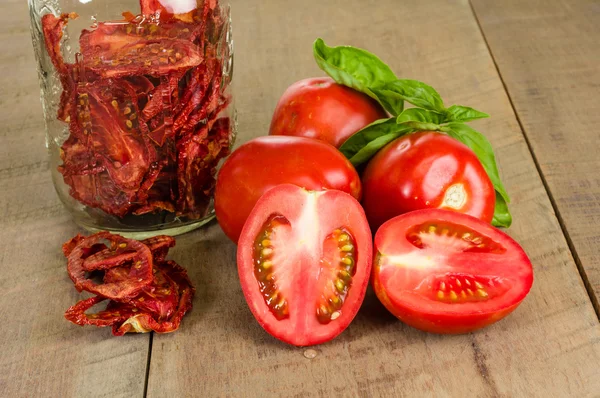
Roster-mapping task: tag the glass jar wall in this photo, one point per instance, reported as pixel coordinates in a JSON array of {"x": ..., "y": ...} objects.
[{"x": 138, "y": 108}]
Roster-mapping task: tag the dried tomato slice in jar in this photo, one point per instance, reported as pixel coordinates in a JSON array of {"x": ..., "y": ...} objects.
[
  {"x": 142, "y": 100},
  {"x": 116, "y": 50},
  {"x": 106, "y": 157},
  {"x": 197, "y": 162},
  {"x": 53, "y": 33}
]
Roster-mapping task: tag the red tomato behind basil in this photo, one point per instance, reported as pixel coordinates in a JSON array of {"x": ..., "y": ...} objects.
[
  {"x": 265, "y": 162},
  {"x": 426, "y": 170},
  {"x": 304, "y": 261},
  {"x": 446, "y": 272},
  {"x": 322, "y": 109}
]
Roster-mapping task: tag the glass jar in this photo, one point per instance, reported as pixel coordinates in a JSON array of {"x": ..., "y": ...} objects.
[{"x": 138, "y": 109}]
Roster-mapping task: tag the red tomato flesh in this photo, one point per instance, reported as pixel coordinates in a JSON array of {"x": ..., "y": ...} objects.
[
  {"x": 304, "y": 261},
  {"x": 322, "y": 109},
  {"x": 446, "y": 272},
  {"x": 265, "y": 162},
  {"x": 426, "y": 170}
]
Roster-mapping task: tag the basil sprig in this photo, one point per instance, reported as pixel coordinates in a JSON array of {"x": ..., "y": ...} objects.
[
  {"x": 483, "y": 149},
  {"x": 365, "y": 72},
  {"x": 358, "y": 69}
]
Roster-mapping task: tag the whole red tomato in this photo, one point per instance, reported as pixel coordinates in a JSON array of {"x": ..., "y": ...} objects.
[
  {"x": 322, "y": 109},
  {"x": 426, "y": 170},
  {"x": 265, "y": 162}
]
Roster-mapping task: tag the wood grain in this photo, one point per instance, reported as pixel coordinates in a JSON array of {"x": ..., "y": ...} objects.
[
  {"x": 41, "y": 354},
  {"x": 548, "y": 54},
  {"x": 549, "y": 347}
]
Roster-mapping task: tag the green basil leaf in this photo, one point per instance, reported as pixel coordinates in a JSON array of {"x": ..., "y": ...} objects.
[
  {"x": 393, "y": 105},
  {"x": 369, "y": 150},
  {"x": 502, "y": 217},
  {"x": 421, "y": 115},
  {"x": 358, "y": 69},
  {"x": 482, "y": 148},
  {"x": 422, "y": 126},
  {"x": 361, "y": 146},
  {"x": 458, "y": 113},
  {"x": 413, "y": 91}
]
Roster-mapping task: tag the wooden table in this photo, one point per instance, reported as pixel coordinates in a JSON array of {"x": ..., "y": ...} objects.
[{"x": 531, "y": 64}]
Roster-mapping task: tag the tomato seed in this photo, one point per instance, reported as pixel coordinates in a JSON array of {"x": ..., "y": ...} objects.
[
  {"x": 263, "y": 269},
  {"x": 340, "y": 286},
  {"x": 343, "y": 238},
  {"x": 336, "y": 290},
  {"x": 345, "y": 276},
  {"x": 347, "y": 248},
  {"x": 335, "y": 302}
]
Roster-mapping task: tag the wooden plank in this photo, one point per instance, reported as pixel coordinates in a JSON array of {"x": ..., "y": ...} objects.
[
  {"x": 548, "y": 54},
  {"x": 41, "y": 353},
  {"x": 550, "y": 346}
]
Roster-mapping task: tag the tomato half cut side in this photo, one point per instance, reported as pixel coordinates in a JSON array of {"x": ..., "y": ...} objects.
[
  {"x": 304, "y": 261},
  {"x": 447, "y": 272}
]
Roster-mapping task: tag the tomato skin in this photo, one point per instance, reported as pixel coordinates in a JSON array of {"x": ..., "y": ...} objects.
[
  {"x": 436, "y": 323},
  {"x": 322, "y": 109},
  {"x": 418, "y": 170},
  {"x": 299, "y": 256},
  {"x": 399, "y": 266},
  {"x": 265, "y": 162}
]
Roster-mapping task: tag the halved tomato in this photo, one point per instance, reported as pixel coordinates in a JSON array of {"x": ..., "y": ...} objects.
[
  {"x": 304, "y": 261},
  {"x": 447, "y": 272}
]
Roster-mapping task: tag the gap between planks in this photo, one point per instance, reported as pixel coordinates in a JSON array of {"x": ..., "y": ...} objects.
[
  {"x": 561, "y": 222},
  {"x": 586, "y": 283},
  {"x": 147, "y": 378}
]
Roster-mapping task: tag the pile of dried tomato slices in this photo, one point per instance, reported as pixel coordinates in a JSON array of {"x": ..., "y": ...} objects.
[
  {"x": 146, "y": 292},
  {"x": 143, "y": 102}
]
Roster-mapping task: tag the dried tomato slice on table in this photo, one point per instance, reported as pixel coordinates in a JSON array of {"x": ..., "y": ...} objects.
[{"x": 136, "y": 304}]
